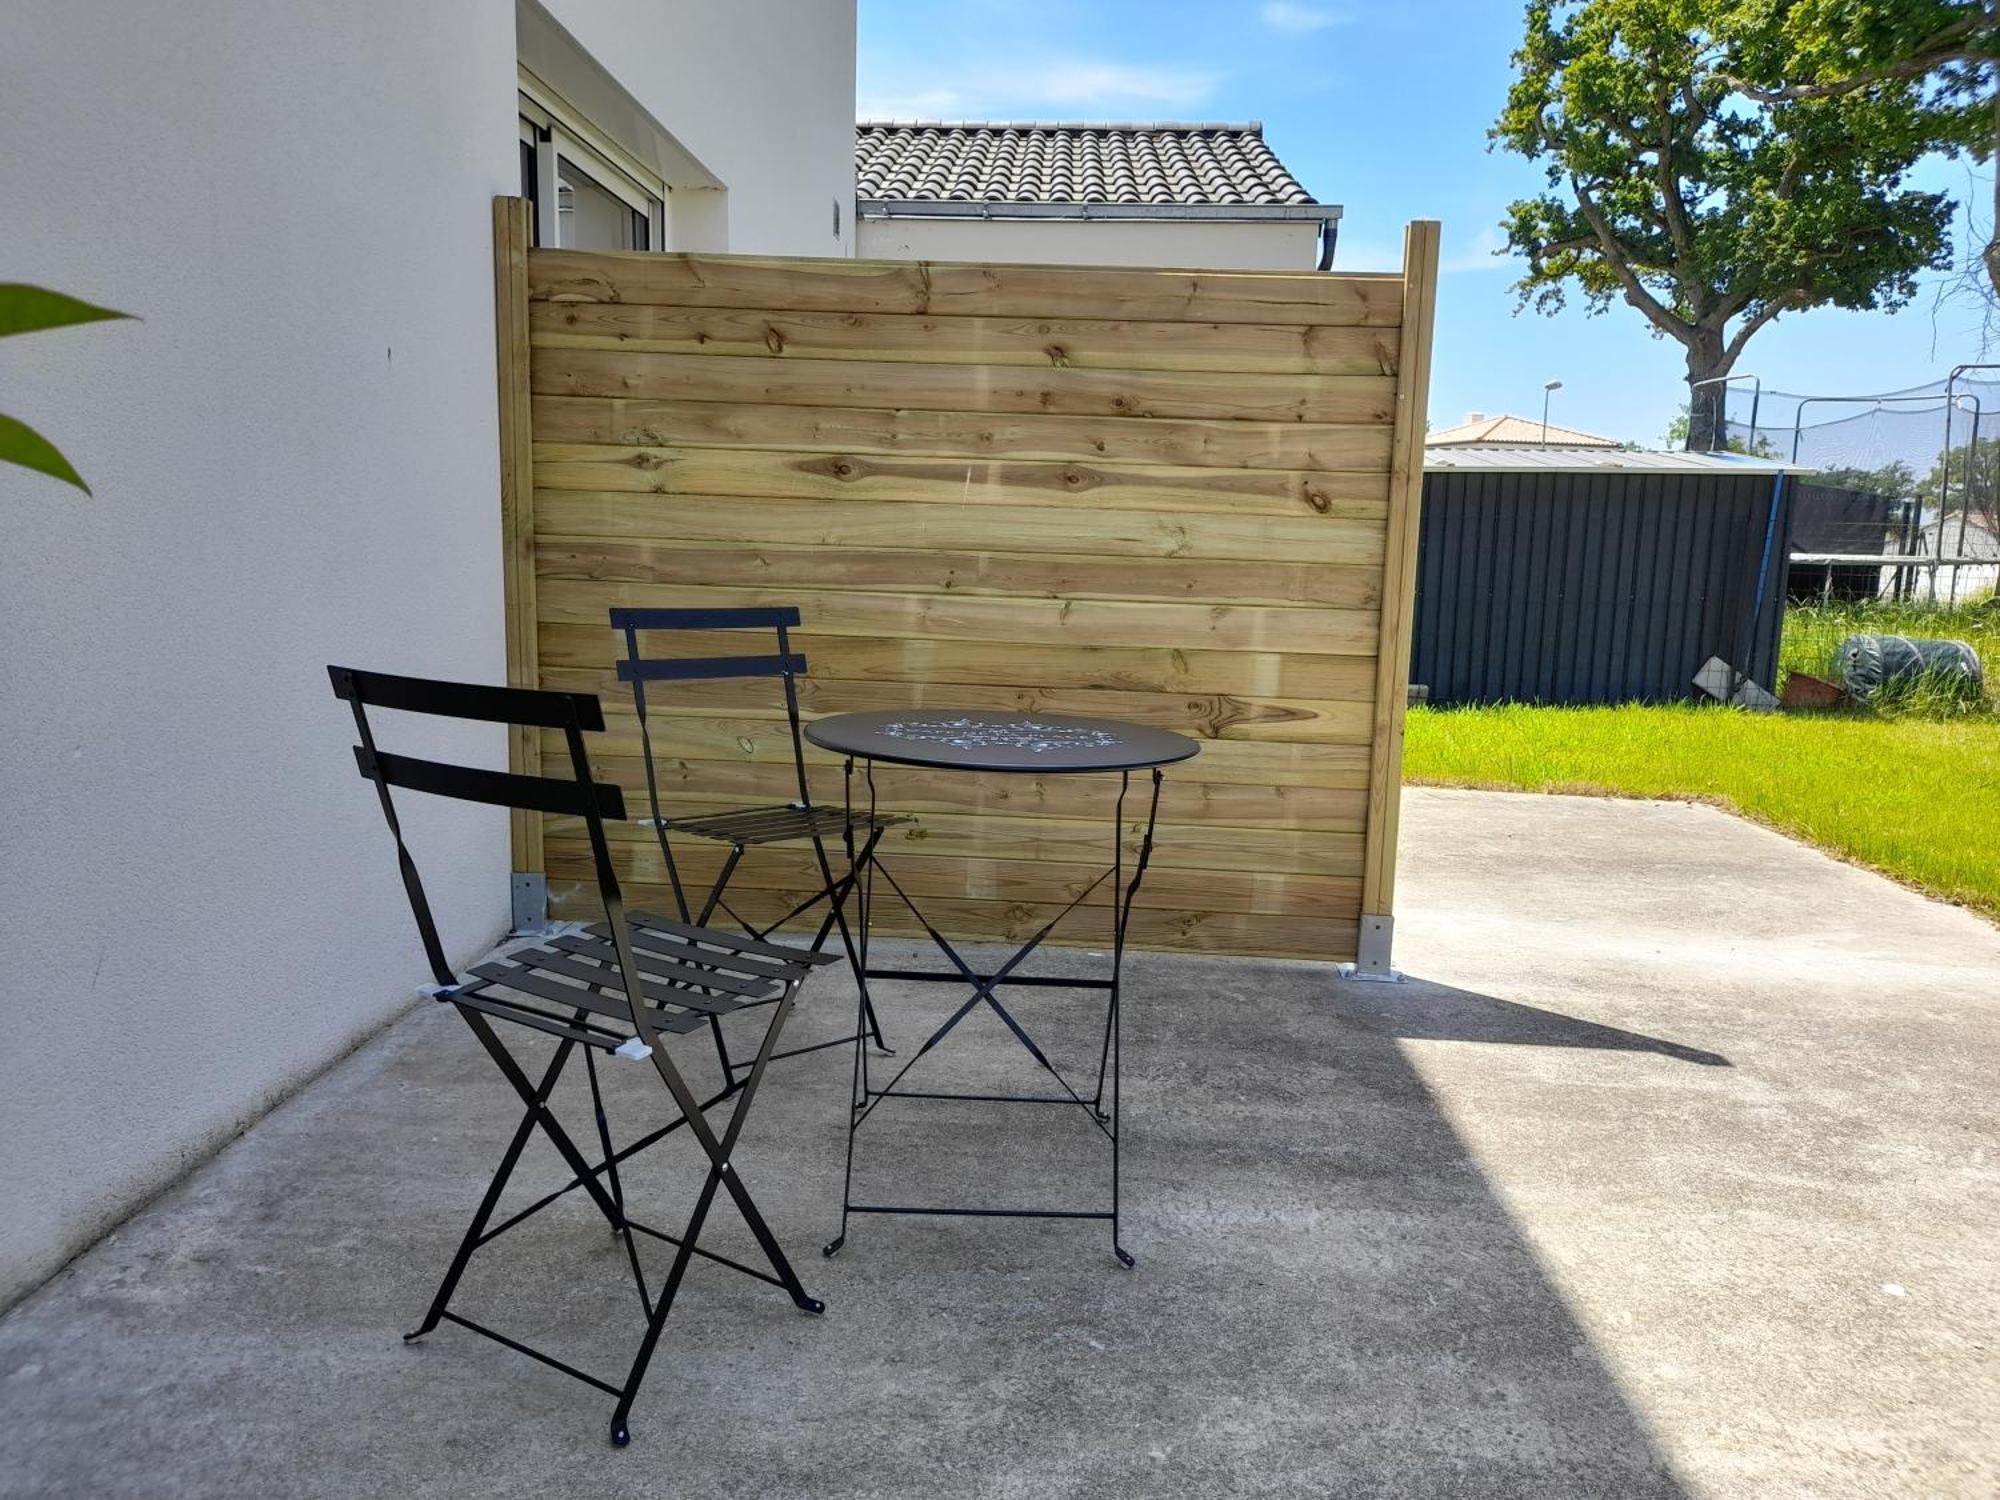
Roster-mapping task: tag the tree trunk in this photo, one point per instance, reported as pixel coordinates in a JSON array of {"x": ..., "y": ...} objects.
[{"x": 1707, "y": 395}]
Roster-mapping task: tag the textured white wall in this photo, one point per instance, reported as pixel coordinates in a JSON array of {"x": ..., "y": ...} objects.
[
  {"x": 762, "y": 91},
  {"x": 1286, "y": 245},
  {"x": 294, "y": 459}
]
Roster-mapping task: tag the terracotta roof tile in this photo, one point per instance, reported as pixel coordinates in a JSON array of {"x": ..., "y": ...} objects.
[
  {"x": 1003, "y": 163},
  {"x": 1501, "y": 431}
]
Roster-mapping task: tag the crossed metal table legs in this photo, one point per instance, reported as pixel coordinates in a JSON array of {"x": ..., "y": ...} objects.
[{"x": 864, "y": 1098}]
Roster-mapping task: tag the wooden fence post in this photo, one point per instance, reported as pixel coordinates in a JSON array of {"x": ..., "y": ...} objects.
[
  {"x": 512, "y": 236},
  {"x": 1399, "y": 580}
]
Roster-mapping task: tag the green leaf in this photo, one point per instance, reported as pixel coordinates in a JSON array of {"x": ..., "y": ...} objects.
[
  {"x": 21, "y": 444},
  {"x": 27, "y": 309}
]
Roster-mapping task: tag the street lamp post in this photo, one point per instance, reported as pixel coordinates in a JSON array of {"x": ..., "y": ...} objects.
[{"x": 1549, "y": 388}]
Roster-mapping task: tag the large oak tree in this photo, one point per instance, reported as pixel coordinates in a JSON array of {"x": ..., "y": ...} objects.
[
  {"x": 1790, "y": 50},
  {"x": 1711, "y": 211}
]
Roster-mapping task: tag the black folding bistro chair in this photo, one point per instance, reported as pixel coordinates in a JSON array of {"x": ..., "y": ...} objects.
[
  {"x": 578, "y": 990},
  {"x": 743, "y": 828}
]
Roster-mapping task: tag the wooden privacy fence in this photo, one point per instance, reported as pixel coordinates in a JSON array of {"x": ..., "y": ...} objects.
[{"x": 1181, "y": 498}]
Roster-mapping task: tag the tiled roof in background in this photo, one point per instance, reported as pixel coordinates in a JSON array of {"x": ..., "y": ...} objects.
[
  {"x": 1082, "y": 163},
  {"x": 1498, "y": 431}
]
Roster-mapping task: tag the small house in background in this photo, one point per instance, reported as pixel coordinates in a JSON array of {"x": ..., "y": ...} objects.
[
  {"x": 1957, "y": 535},
  {"x": 1480, "y": 430},
  {"x": 1086, "y": 194}
]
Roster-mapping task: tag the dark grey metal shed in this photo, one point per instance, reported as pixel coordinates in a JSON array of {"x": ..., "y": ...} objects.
[{"x": 1563, "y": 575}]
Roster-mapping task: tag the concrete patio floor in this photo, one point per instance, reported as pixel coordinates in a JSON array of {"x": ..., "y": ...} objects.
[{"x": 1671, "y": 1172}]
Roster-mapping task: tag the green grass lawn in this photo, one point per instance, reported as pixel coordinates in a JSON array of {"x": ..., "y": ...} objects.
[
  {"x": 1917, "y": 799},
  {"x": 1909, "y": 786}
]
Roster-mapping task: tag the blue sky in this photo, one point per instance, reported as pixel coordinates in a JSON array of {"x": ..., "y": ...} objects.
[{"x": 1381, "y": 106}]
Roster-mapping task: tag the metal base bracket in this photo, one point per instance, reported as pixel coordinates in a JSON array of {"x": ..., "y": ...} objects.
[
  {"x": 1371, "y": 953},
  {"x": 531, "y": 901}
]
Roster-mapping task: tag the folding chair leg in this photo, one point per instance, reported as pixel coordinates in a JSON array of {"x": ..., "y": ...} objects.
[
  {"x": 621, "y": 1431},
  {"x": 868, "y": 1017},
  {"x": 766, "y": 1241},
  {"x": 708, "y": 910},
  {"x": 721, "y": 884},
  {"x": 491, "y": 1201},
  {"x": 721, "y": 1173},
  {"x": 837, "y": 894},
  {"x": 539, "y": 1113}
]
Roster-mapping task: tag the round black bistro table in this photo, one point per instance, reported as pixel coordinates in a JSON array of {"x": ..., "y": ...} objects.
[{"x": 998, "y": 744}]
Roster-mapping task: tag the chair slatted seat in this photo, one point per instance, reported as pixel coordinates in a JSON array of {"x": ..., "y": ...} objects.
[{"x": 767, "y": 825}]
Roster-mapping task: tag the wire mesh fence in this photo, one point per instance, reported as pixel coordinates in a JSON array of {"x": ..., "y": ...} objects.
[{"x": 1905, "y": 502}]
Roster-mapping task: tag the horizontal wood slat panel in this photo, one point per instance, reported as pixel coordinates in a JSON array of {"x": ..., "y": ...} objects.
[
  {"x": 807, "y": 556},
  {"x": 1159, "y": 496},
  {"x": 946, "y": 288},
  {"x": 844, "y": 429},
  {"x": 842, "y": 525},
  {"x": 955, "y": 839},
  {"x": 1325, "y": 722},
  {"x": 1059, "y": 343},
  {"x": 1230, "y": 396},
  {"x": 1246, "y": 627},
  {"x": 962, "y": 481},
  {"x": 688, "y": 785},
  {"x": 1179, "y": 931},
  {"x": 794, "y": 873},
  {"x": 695, "y": 737},
  {"x": 1146, "y": 669},
  {"x": 958, "y": 836}
]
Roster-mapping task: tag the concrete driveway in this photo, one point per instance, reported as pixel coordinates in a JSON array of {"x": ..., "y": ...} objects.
[{"x": 1671, "y": 1172}]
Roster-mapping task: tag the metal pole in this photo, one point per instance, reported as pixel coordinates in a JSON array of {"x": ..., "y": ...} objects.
[
  {"x": 1756, "y": 400},
  {"x": 1971, "y": 454}
]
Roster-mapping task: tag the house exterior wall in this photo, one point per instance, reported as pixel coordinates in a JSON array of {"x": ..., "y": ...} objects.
[
  {"x": 761, "y": 91},
  {"x": 1282, "y": 245},
  {"x": 295, "y": 459}
]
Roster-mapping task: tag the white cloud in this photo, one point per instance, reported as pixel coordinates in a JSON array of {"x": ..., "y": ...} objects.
[
  {"x": 1486, "y": 252},
  {"x": 1290, "y": 16},
  {"x": 1045, "y": 87},
  {"x": 1093, "y": 84}
]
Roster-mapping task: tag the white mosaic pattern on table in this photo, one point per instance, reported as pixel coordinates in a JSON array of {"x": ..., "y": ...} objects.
[{"x": 1032, "y": 735}]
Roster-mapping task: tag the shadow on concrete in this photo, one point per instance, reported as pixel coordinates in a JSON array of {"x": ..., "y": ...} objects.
[
  {"x": 1421, "y": 1010},
  {"x": 1331, "y": 1299}
]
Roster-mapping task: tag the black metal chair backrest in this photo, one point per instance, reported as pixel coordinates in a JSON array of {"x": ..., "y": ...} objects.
[
  {"x": 578, "y": 797},
  {"x": 784, "y": 664}
]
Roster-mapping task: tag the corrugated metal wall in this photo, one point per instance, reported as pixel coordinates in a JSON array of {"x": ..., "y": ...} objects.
[{"x": 1592, "y": 587}]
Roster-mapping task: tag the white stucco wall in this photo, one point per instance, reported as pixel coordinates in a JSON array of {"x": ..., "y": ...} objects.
[
  {"x": 761, "y": 91},
  {"x": 295, "y": 462},
  {"x": 295, "y": 459},
  {"x": 1286, "y": 245}
]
